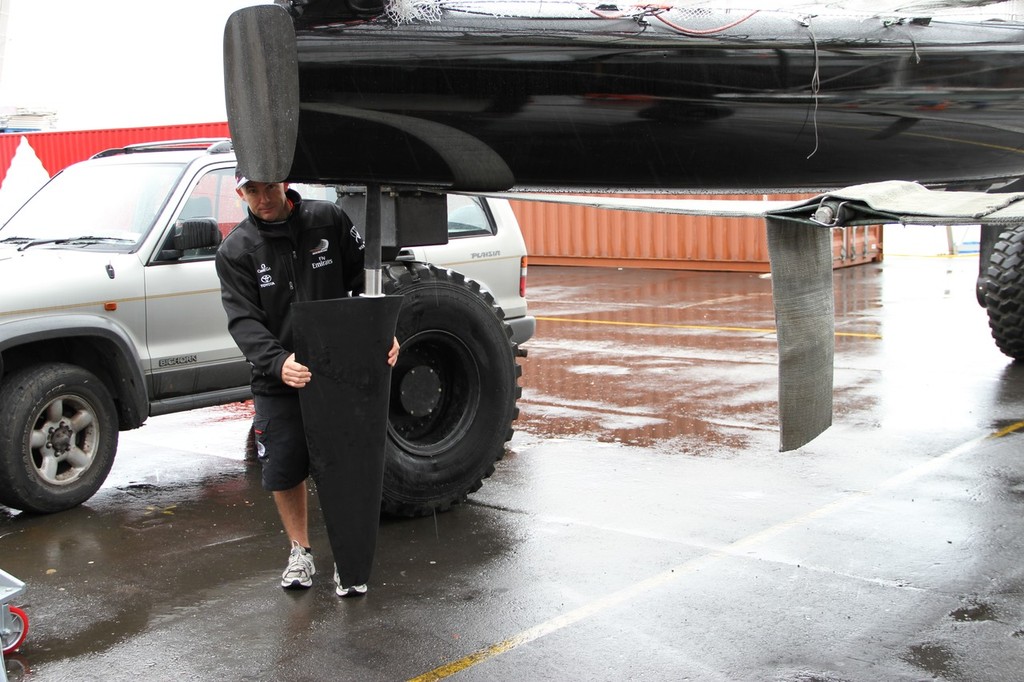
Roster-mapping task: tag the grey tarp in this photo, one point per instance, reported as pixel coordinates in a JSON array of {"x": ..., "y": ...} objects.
[{"x": 800, "y": 253}]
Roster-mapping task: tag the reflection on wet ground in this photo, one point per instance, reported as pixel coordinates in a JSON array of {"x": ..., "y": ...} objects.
[
  {"x": 665, "y": 359},
  {"x": 177, "y": 580},
  {"x": 641, "y": 526}
]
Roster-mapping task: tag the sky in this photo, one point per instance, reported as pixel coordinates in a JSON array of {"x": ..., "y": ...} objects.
[
  {"x": 127, "y": 63},
  {"x": 117, "y": 63}
]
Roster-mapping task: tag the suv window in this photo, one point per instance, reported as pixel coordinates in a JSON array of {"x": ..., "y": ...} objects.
[
  {"x": 214, "y": 197},
  {"x": 116, "y": 202},
  {"x": 323, "y": 192},
  {"x": 467, "y": 217}
]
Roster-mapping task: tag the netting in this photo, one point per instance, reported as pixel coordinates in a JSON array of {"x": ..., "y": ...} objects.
[{"x": 406, "y": 11}]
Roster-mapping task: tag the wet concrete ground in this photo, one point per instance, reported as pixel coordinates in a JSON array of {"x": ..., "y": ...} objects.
[{"x": 643, "y": 525}]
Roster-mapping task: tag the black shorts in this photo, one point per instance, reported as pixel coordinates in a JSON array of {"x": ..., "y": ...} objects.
[{"x": 280, "y": 441}]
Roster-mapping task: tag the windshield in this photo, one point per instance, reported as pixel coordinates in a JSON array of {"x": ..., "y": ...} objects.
[{"x": 115, "y": 202}]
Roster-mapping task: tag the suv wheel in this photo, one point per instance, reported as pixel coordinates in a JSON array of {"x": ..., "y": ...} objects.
[
  {"x": 61, "y": 439},
  {"x": 1004, "y": 292},
  {"x": 453, "y": 391}
]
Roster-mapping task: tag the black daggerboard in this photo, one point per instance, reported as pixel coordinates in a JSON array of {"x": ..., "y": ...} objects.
[{"x": 345, "y": 342}]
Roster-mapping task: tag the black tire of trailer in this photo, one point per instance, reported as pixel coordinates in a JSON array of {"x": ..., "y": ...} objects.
[
  {"x": 1004, "y": 292},
  {"x": 62, "y": 427},
  {"x": 453, "y": 390}
]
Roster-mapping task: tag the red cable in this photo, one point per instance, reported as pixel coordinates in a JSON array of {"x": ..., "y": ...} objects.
[
  {"x": 704, "y": 32},
  {"x": 657, "y": 11}
]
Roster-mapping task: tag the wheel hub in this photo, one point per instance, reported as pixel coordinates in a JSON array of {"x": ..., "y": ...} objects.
[
  {"x": 65, "y": 440},
  {"x": 420, "y": 391},
  {"x": 61, "y": 438}
]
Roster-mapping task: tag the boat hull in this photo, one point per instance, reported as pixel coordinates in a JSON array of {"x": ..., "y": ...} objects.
[{"x": 598, "y": 103}]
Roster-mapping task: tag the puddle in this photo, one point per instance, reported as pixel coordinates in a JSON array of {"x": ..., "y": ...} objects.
[
  {"x": 974, "y": 612},
  {"x": 933, "y": 658}
]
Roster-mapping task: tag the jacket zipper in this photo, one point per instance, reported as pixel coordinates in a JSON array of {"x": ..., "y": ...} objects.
[{"x": 293, "y": 283}]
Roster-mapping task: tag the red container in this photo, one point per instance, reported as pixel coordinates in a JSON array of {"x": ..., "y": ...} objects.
[
  {"x": 59, "y": 149},
  {"x": 567, "y": 234}
]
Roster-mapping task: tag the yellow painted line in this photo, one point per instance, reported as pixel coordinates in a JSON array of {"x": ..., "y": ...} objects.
[
  {"x": 943, "y": 256},
  {"x": 699, "y": 327},
  {"x": 739, "y": 548},
  {"x": 1008, "y": 430},
  {"x": 547, "y": 627}
]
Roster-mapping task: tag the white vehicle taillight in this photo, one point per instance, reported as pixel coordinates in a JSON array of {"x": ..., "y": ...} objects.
[{"x": 522, "y": 277}]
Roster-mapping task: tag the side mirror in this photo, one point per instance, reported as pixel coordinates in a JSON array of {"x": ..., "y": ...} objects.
[
  {"x": 192, "y": 233},
  {"x": 196, "y": 233}
]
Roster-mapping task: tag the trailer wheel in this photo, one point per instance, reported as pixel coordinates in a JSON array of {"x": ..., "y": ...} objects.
[
  {"x": 453, "y": 390},
  {"x": 1004, "y": 292},
  {"x": 12, "y": 636},
  {"x": 60, "y": 439}
]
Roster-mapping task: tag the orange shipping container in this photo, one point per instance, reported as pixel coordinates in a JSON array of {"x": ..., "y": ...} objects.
[{"x": 567, "y": 234}]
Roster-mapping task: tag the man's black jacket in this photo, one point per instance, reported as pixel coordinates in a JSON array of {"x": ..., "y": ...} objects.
[{"x": 315, "y": 254}]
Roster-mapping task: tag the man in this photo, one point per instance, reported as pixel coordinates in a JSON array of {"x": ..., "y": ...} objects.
[{"x": 287, "y": 249}]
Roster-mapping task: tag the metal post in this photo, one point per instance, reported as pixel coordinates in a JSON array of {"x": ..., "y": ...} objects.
[{"x": 372, "y": 259}]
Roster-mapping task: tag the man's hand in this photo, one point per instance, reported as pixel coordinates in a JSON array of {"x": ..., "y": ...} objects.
[
  {"x": 393, "y": 353},
  {"x": 294, "y": 374},
  {"x": 298, "y": 375}
]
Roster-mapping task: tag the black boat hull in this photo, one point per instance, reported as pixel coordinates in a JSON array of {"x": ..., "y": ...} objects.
[{"x": 588, "y": 103}]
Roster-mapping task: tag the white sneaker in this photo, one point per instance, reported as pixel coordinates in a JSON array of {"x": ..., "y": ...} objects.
[
  {"x": 300, "y": 571},
  {"x": 354, "y": 591}
]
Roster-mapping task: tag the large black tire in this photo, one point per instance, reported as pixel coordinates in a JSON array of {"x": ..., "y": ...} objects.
[
  {"x": 59, "y": 437},
  {"x": 453, "y": 390},
  {"x": 1004, "y": 292}
]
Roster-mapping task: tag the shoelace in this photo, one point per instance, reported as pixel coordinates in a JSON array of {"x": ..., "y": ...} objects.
[{"x": 299, "y": 561}]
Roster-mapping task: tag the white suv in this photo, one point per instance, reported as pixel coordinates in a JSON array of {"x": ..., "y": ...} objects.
[{"x": 112, "y": 314}]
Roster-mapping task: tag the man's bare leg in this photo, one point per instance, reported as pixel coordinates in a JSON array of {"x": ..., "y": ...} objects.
[{"x": 291, "y": 506}]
